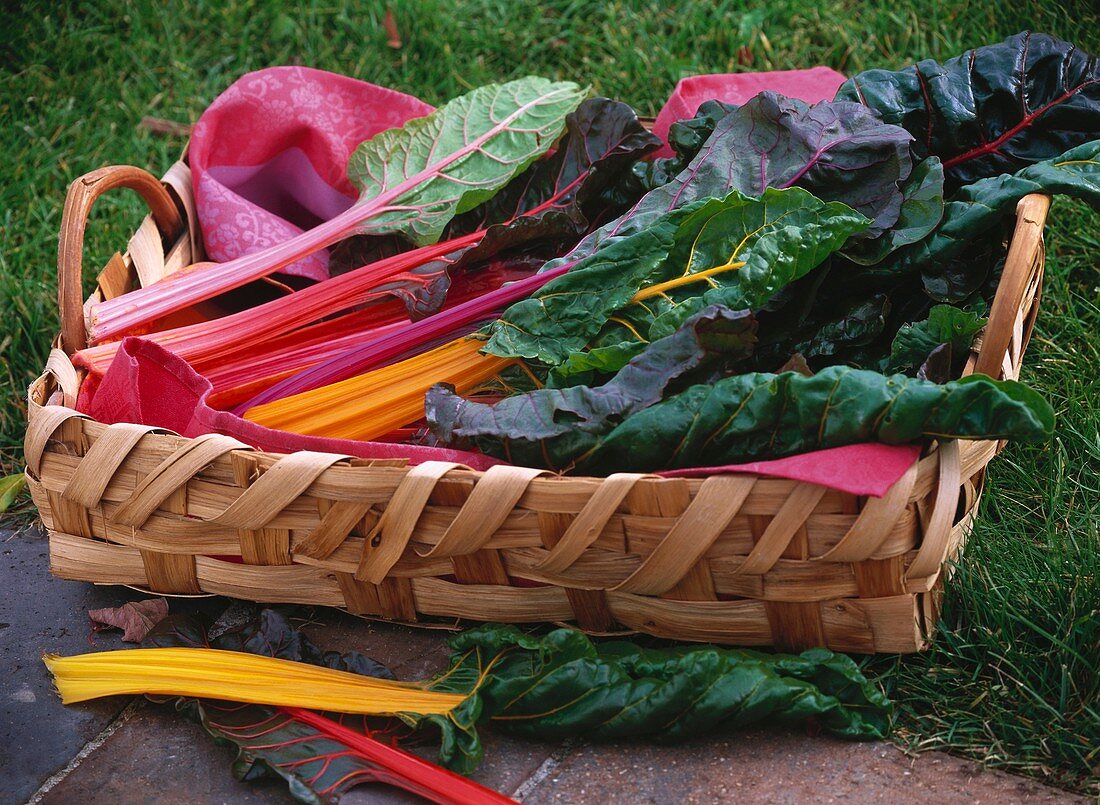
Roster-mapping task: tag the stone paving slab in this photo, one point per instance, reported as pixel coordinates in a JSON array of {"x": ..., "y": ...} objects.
[
  {"x": 151, "y": 754},
  {"x": 40, "y": 614},
  {"x": 778, "y": 766}
]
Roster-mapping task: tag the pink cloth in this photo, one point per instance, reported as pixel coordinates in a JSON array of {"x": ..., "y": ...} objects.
[
  {"x": 861, "y": 469},
  {"x": 149, "y": 385},
  {"x": 269, "y": 157},
  {"x": 813, "y": 85}
]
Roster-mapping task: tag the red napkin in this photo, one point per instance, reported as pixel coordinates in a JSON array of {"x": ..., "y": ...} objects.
[
  {"x": 813, "y": 85},
  {"x": 861, "y": 469},
  {"x": 269, "y": 157}
]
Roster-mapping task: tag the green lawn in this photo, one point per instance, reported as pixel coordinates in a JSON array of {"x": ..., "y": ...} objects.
[{"x": 1013, "y": 678}]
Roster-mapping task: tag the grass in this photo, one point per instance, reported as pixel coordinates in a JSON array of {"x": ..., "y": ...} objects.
[{"x": 1012, "y": 679}]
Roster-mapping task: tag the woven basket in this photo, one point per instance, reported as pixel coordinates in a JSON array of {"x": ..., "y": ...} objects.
[{"x": 736, "y": 559}]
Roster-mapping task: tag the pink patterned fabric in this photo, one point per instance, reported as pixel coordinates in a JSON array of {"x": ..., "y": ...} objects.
[
  {"x": 813, "y": 85},
  {"x": 269, "y": 157}
]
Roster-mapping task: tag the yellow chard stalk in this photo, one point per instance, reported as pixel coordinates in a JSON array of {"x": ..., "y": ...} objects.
[{"x": 239, "y": 677}]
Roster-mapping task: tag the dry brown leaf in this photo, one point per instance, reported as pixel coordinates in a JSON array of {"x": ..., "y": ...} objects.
[
  {"x": 796, "y": 363},
  {"x": 389, "y": 22},
  {"x": 135, "y": 619}
]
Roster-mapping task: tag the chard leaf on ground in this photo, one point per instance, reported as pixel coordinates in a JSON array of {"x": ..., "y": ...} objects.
[{"x": 562, "y": 685}]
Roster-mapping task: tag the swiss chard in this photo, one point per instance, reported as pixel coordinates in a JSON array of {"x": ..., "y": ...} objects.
[
  {"x": 563, "y": 685},
  {"x": 838, "y": 151},
  {"x": 736, "y": 251},
  {"x": 543, "y": 211},
  {"x": 413, "y": 180},
  {"x": 945, "y": 325},
  {"x": 735, "y": 418},
  {"x": 992, "y": 110},
  {"x": 550, "y": 204},
  {"x": 320, "y": 756}
]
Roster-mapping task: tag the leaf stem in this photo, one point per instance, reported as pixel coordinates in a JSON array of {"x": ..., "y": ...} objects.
[{"x": 664, "y": 287}]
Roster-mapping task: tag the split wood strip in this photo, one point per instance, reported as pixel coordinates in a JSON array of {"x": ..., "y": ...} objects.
[{"x": 729, "y": 559}]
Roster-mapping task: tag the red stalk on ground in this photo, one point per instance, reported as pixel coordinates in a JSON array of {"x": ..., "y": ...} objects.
[{"x": 402, "y": 769}]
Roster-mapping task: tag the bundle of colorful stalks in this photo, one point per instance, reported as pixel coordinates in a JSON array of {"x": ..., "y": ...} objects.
[
  {"x": 519, "y": 277},
  {"x": 398, "y": 323}
]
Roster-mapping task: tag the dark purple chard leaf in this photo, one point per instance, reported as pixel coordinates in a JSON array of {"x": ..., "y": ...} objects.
[
  {"x": 686, "y": 137},
  {"x": 603, "y": 140},
  {"x": 938, "y": 367},
  {"x": 992, "y": 110},
  {"x": 570, "y": 419},
  {"x": 838, "y": 151}
]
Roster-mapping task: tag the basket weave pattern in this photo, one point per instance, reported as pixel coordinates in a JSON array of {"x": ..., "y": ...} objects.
[{"x": 737, "y": 559}]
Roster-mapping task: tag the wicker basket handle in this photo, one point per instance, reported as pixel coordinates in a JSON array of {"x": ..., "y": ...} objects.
[
  {"x": 1020, "y": 266},
  {"x": 78, "y": 204}
]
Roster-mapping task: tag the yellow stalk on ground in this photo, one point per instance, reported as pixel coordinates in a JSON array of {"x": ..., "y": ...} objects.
[
  {"x": 238, "y": 677},
  {"x": 376, "y": 402}
]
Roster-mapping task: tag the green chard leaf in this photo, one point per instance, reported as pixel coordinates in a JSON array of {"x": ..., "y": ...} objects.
[
  {"x": 754, "y": 416},
  {"x": 562, "y": 685},
  {"x": 945, "y": 325},
  {"x": 979, "y": 208},
  {"x": 571, "y": 419},
  {"x": 736, "y": 251},
  {"x": 435, "y": 167},
  {"x": 647, "y": 418}
]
